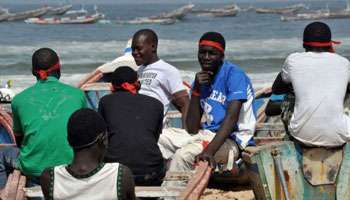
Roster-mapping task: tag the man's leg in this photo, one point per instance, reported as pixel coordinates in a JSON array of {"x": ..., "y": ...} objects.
[
  {"x": 173, "y": 139},
  {"x": 8, "y": 160},
  {"x": 183, "y": 160}
]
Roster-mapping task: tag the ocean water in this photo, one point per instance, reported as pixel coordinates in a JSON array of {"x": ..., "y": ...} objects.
[{"x": 257, "y": 43}]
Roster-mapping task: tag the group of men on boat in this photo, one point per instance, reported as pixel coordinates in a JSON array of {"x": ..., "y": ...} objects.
[{"x": 62, "y": 143}]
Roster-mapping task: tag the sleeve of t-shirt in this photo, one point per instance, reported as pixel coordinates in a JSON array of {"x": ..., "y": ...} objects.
[
  {"x": 286, "y": 71},
  {"x": 174, "y": 81},
  {"x": 17, "y": 128},
  {"x": 83, "y": 100},
  {"x": 237, "y": 86},
  {"x": 348, "y": 72}
]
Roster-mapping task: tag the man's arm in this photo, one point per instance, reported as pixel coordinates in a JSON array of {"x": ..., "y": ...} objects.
[
  {"x": 181, "y": 102},
  {"x": 193, "y": 119},
  {"x": 225, "y": 130},
  {"x": 281, "y": 87},
  {"x": 127, "y": 184},
  {"x": 45, "y": 183},
  {"x": 194, "y": 114}
]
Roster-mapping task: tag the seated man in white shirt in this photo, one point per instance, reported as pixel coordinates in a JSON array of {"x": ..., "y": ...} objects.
[
  {"x": 319, "y": 78},
  {"x": 158, "y": 79}
]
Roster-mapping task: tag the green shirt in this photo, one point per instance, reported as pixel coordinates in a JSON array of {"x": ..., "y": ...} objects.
[{"x": 41, "y": 113}]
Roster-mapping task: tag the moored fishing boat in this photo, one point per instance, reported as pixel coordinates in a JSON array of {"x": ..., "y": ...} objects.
[
  {"x": 89, "y": 19},
  {"x": 27, "y": 14},
  {"x": 285, "y": 10},
  {"x": 227, "y": 11},
  {"x": 59, "y": 10}
]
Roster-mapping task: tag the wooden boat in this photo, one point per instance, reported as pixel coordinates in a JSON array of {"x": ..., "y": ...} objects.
[
  {"x": 59, "y": 10},
  {"x": 316, "y": 15},
  {"x": 147, "y": 20},
  {"x": 285, "y": 10},
  {"x": 227, "y": 11},
  {"x": 312, "y": 15},
  {"x": 3, "y": 17},
  {"x": 178, "y": 13},
  {"x": 166, "y": 18},
  {"x": 278, "y": 171},
  {"x": 27, "y": 14},
  {"x": 81, "y": 11},
  {"x": 89, "y": 19},
  {"x": 7, "y": 137}
]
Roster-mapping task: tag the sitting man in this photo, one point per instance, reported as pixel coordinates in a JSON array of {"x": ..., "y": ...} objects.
[
  {"x": 88, "y": 177},
  {"x": 222, "y": 95},
  {"x": 40, "y": 115},
  {"x": 319, "y": 78},
  {"x": 136, "y": 122},
  {"x": 159, "y": 79}
]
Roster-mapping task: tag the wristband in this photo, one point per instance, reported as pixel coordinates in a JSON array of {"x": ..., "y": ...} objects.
[{"x": 195, "y": 93}]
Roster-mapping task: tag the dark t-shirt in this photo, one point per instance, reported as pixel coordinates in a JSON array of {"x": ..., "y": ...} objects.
[{"x": 135, "y": 123}]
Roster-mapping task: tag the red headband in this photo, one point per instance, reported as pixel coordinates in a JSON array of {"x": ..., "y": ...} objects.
[
  {"x": 212, "y": 44},
  {"x": 130, "y": 87},
  {"x": 43, "y": 74},
  {"x": 323, "y": 44}
]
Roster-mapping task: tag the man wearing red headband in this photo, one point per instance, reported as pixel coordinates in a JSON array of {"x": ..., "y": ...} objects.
[
  {"x": 222, "y": 95},
  {"x": 319, "y": 78},
  {"x": 159, "y": 79},
  {"x": 136, "y": 121},
  {"x": 40, "y": 116}
]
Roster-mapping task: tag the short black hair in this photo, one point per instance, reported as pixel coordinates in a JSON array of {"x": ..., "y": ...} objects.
[
  {"x": 149, "y": 33},
  {"x": 123, "y": 74},
  {"x": 215, "y": 37},
  {"x": 83, "y": 127},
  {"x": 44, "y": 58},
  {"x": 317, "y": 32}
]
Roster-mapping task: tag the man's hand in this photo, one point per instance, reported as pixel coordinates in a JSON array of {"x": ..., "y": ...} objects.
[
  {"x": 203, "y": 78},
  {"x": 206, "y": 156}
]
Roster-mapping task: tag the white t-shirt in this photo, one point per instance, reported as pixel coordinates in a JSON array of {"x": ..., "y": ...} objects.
[
  {"x": 319, "y": 81},
  {"x": 160, "y": 80},
  {"x": 104, "y": 183}
]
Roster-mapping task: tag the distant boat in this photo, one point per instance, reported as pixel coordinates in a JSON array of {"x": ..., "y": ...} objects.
[
  {"x": 3, "y": 17},
  {"x": 3, "y": 11},
  {"x": 27, "y": 14},
  {"x": 285, "y": 10},
  {"x": 178, "y": 13},
  {"x": 82, "y": 11},
  {"x": 164, "y": 18},
  {"x": 318, "y": 14},
  {"x": 59, "y": 10},
  {"x": 89, "y": 19},
  {"x": 146, "y": 20},
  {"x": 312, "y": 15},
  {"x": 227, "y": 11},
  {"x": 4, "y": 14}
]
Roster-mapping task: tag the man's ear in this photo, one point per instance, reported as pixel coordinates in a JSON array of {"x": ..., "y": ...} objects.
[
  {"x": 138, "y": 85},
  {"x": 154, "y": 48}
]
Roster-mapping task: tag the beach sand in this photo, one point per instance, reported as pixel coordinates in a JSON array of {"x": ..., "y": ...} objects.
[{"x": 212, "y": 194}]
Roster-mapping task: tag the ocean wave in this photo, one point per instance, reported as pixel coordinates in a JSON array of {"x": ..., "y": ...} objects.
[{"x": 76, "y": 52}]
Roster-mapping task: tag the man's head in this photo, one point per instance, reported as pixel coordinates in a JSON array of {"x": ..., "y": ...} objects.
[
  {"x": 318, "y": 37},
  {"x": 125, "y": 79},
  {"x": 144, "y": 47},
  {"x": 211, "y": 51},
  {"x": 45, "y": 62},
  {"x": 87, "y": 129}
]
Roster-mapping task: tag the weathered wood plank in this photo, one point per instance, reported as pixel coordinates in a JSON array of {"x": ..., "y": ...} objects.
[
  {"x": 198, "y": 182},
  {"x": 14, "y": 189}
]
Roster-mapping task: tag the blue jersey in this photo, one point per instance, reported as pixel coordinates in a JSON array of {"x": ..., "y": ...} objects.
[{"x": 230, "y": 83}]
